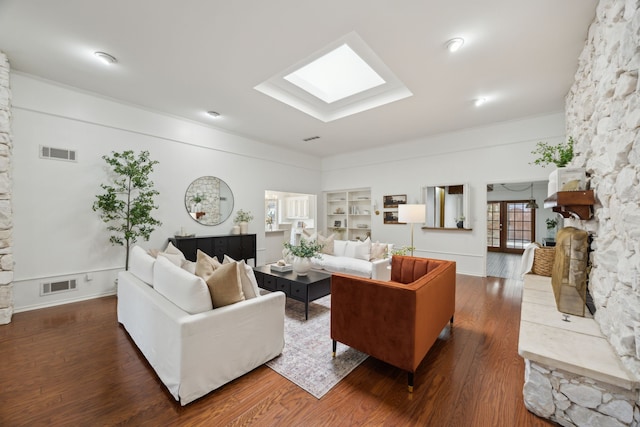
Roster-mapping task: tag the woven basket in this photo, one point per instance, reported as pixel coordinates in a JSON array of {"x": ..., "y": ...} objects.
[{"x": 543, "y": 261}]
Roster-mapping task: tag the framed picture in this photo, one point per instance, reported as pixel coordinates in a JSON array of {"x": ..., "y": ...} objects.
[
  {"x": 394, "y": 200},
  {"x": 337, "y": 223},
  {"x": 391, "y": 217}
]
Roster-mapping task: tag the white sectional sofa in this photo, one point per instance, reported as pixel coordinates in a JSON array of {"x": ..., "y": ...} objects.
[
  {"x": 355, "y": 258},
  {"x": 193, "y": 347}
]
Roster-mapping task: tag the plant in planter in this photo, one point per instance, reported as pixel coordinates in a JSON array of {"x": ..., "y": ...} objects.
[
  {"x": 552, "y": 223},
  {"x": 127, "y": 204},
  {"x": 242, "y": 219},
  {"x": 560, "y": 154},
  {"x": 403, "y": 250},
  {"x": 302, "y": 253}
]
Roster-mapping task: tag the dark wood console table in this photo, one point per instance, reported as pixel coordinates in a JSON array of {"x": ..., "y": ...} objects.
[{"x": 237, "y": 246}]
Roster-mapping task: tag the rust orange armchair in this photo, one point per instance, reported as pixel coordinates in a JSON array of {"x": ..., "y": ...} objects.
[{"x": 396, "y": 321}]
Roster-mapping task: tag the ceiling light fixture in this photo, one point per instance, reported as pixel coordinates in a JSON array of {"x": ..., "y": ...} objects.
[
  {"x": 532, "y": 202},
  {"x": 480, "y": 101},
  {"x": 454, "y": 45},
  {"x": 213, "y": 114},
  {"x": 105, "y": 58}
]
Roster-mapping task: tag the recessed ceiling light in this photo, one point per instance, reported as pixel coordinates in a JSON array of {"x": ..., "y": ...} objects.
[
  {"x": 454, "y": 44},
  {"x": 213, "y": 114},
  {"x": 480, "y": 101},
  {"x": 105, "y": 58}
]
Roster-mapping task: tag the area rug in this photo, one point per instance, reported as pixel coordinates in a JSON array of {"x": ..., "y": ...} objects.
[{"x": 306, "y": 359}]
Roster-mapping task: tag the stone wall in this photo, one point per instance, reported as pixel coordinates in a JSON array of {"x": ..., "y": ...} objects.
[
  {"x": 573, "y": 400},
  {"x": 603, "y": 116},
  {"x": 6, "y": 210}
]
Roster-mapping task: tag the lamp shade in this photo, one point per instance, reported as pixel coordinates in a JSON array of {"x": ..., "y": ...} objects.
[{"x": 412, "y": 214}]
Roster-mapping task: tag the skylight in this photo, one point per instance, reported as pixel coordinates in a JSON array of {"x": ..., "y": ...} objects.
[
  {"x": 336, "y": 75},
  {"x": 343, "y": 78}
]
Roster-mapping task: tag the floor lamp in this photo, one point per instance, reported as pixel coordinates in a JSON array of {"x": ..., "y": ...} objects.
[{"x": 412, "y": 214}]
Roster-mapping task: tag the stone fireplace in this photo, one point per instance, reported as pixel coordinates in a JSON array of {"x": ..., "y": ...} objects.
[
  {"x": 603, "y": 117},
  {"x": 6, "y": 210}
]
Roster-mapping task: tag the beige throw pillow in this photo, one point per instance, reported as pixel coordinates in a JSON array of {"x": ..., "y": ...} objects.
[
  {"x": 225, "y": 286},
  {"x": 378, "y": 251},
  {"x": 247, "y": 278},
  {"x": 327, "y": 243},
  {"x": 205, "y": 265}
]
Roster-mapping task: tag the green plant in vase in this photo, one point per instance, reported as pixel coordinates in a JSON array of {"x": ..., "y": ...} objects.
[
  {"x": 302, "y": 253},
  {"x": 560, "y": 154}
]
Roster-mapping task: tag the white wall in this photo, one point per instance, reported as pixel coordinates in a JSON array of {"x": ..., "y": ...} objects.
[
  {"x": 490, "y": 154},
  {"x": 58, "y": 236}
]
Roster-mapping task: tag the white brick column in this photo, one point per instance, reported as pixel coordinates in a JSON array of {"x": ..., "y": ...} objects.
[{"x": 6, "y": 210}]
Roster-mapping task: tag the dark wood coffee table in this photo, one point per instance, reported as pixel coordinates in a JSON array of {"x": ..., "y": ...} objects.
[{"x": 314, "y": 285}]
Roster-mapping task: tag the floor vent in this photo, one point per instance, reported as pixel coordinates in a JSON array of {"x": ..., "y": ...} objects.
[
  {"x": 55, "y": 287},
  {"x": 57, "y": 154}
]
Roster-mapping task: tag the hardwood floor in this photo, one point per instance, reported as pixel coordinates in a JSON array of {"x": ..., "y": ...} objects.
[
  {"x": 74, "y": 365},
  {"x": 504, "y": 265}
]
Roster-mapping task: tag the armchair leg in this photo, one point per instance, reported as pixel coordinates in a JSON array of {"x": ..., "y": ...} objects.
[
  {"x": 451, "y": 320},
  {"x": 334, "y": 348},
  {"x": 410, "y": 381}
]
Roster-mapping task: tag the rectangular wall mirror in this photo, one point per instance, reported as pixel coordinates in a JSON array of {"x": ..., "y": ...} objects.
[{"x": 447, "y": 206}]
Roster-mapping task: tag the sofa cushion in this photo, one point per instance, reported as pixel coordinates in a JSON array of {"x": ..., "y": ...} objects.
[
  {"x": 379, "y": 251},
  {"x": 339, "y": 247},
  {"x": 187, "y": 291},
  {"x": 205, "y": 265},
  {"x": 247, "y": 278},
  {"x": 327, "y": 243},
  {"x": 173, "y": 254},
  {"x": 346, "y": 265},
  {"x": 225, "y": 286},
  {"x": 141, "y": 265},
  {"x": 358, "y": 250}
]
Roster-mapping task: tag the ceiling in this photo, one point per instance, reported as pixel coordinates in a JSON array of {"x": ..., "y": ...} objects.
[{"x": 186, "y": 57}]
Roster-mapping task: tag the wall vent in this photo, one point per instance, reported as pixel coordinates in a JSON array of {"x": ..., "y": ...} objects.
[
  {"x": 57, "y": 153},
  {"x": 55, "y": 287}
]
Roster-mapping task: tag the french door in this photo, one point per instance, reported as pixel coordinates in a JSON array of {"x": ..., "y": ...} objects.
[{"x": 511, "y": 226}]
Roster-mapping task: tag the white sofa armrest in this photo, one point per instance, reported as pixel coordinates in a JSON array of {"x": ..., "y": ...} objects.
[{"x": 381, "y": 269}]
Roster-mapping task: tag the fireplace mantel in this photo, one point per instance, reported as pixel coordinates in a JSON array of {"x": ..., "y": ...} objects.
[
  {"x": 572, "y": 373},
  {"x": 577, "y": 345}
]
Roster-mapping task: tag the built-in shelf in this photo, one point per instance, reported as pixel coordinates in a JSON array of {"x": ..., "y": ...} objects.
[{"x": 572, "y": 203}]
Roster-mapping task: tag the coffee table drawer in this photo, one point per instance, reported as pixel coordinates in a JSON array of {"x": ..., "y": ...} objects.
[
  {"x": 299, "y": 291},
  {"x": 267, "y": 282},
  {"x": 283, "y": 285}
]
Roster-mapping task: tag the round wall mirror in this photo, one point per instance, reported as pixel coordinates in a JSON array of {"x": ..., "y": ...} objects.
[{"x": 209, "y": 200}]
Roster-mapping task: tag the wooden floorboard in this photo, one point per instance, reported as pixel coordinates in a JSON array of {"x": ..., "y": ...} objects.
[{"x": 75, "y": 365}]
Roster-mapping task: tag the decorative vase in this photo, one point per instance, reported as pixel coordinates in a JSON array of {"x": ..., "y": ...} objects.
[
  {"x": 460, "y": 224},
  {"x": 244, "y": 227},
  {"x": 301, "y": 265},
  {"x": 235, "y": 229}
]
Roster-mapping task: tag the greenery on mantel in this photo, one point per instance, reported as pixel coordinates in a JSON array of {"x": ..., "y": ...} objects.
[
  {"x": 128, "y": 201},
  {"x": 560, "y": 154},
  {"x": 306, "y": 249}
]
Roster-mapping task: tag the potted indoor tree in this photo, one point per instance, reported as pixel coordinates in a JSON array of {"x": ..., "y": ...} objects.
[
  {"x": 302, "y": 254},
  {"x": 128, "y": 200}
]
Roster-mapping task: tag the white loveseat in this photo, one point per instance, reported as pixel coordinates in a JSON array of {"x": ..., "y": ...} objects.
[
  {"x": 194, "y": 348},
  {"x": 363, "y": 259}
]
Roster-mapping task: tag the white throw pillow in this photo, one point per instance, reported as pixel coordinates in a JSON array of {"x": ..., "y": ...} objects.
[
  {"x": 187, "y": 291},
  {"x": 339, "y": 247},
  {"x": 358, "y": 250},
  {"x": 247, "y": 278},
  {"x": 173, "y": 254},
  {"x": 141, "y": 264}
]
